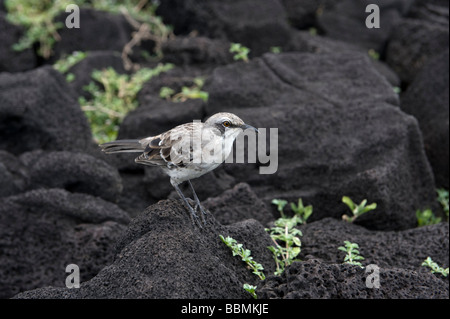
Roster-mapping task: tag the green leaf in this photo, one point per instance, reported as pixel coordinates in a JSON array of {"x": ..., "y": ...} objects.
[
  {"x": 297, "y": 241},
  {"x": 349, "y": 202},
  {"x": 370, "y": 207}
]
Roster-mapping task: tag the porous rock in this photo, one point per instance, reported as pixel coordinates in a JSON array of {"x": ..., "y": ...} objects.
[
  {"x": 314, "y": 279},
  {"x": 257, "y": 27},
  {"x": 340, "y": 132},
  {"x": 43, "y": 231},
  {"x": 11, "y": 60},
  {"x": 74, "y": 172},
  {"x": 238, "y": 204},
  {"x": 162, "y": 255},
  {"x": 13, "y": 175},
  {"x": 39, "y": 111},
  {"x": 427, "y": 99},
  {"x": 416, "y": 39}
]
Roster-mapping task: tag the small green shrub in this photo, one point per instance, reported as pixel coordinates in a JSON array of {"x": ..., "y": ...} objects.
[
  {"x": 357, "y": 210},
  {"x": 352, "y": 256},
  {"x": 426, "y": 217},
  {"x": 113, "y": 99},
  {"x": 187, "y": 93},
  {"x": 37, "y": 18},
  {"x": 285, "y": 232},
  {"x": 240, "y": 52},
  {"x": 63, "y": 65},
  {"x": 276, "y": 49}
]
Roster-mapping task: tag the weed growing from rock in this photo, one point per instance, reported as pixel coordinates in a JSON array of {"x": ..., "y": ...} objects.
[
  {"x": 38, "y": 20},
  {"x": 63, "y": 65},
  {"x": 251, "y": 290},
  {"x": 284, "y": 234},
  {"x": 240, "y": 52},
  {"x": 352, "y": 256},
  {"x": 110, "y": 103},
  {"x": 187, "y": 92},
  {"x": 357, "y": 210},
  {"x": 426, "y": 217},
  {"x": 435, "y": 268},
  {"x": 245, "y": 254}
]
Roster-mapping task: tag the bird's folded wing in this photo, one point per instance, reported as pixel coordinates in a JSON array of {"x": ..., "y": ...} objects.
[{"x": 173, "y": 147}]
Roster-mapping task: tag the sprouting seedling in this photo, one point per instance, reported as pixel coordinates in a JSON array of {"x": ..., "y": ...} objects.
[
  {"x": 352, "y": 257},
  {"x": 357, "y": 210},
  {"x": 251, "y": 290},
  {"x": 301, "y": 211},
  {"x": 240, "y": 52},
  {"x": 275, "y": 49},
  {"x": 435, "y": 268},
  {"x": 426, "y": 217},
  {"x": 443, "y": 199},
  {"x": 280, "y": 203}
]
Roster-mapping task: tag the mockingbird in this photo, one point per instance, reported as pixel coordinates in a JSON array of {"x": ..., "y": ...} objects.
[{"x": 187, "y": 151}]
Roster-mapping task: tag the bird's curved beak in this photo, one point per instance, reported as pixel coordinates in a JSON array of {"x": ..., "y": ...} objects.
[{"x": 246, "y": 126}]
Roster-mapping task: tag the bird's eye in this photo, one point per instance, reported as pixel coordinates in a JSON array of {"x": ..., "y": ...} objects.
[{"x": 226, "y": 124}]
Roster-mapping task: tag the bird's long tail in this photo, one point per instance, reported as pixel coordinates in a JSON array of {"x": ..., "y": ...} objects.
[{"x": 122, "y": 146}]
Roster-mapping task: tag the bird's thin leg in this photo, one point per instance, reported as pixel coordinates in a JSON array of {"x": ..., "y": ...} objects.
[
  {"x": 197, "y": 201},
  {"x": 191, "y": 210}
]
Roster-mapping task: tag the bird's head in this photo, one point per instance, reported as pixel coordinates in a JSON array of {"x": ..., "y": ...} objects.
[{"x": 228, "y": 124}]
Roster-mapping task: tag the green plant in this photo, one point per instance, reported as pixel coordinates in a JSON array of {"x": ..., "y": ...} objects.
[
  {"x": 397, "y": 89},
  {"x": 238, "y": 250},
  {"x": 352, "y": 256},
  {"x": 37, "y": 18},
  {"x": 275, "y": 49},
  {"x": 287, "y": 242},
  {"x": 251, "y": 290},
  {"x": 63, "y": 65},
  {"x": 240, "y": 52},
  {"x": 313, "y": 31},
  {"x": 116, "y": 96},
  {"x": 426, "y": 217},
  {"x": 284, "y": 234},
  {"x": 374, "y": 54},
  {"x": 281, "y": 203},
  {"x": 435, "y": 268},
  {"x": 443, "y": 199},
  {"x": 166, "y": 92},
  {"x": 357, "y": 210},
  {"x": 192, "y": 92},
  {"x": 301, "y": 211}
]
